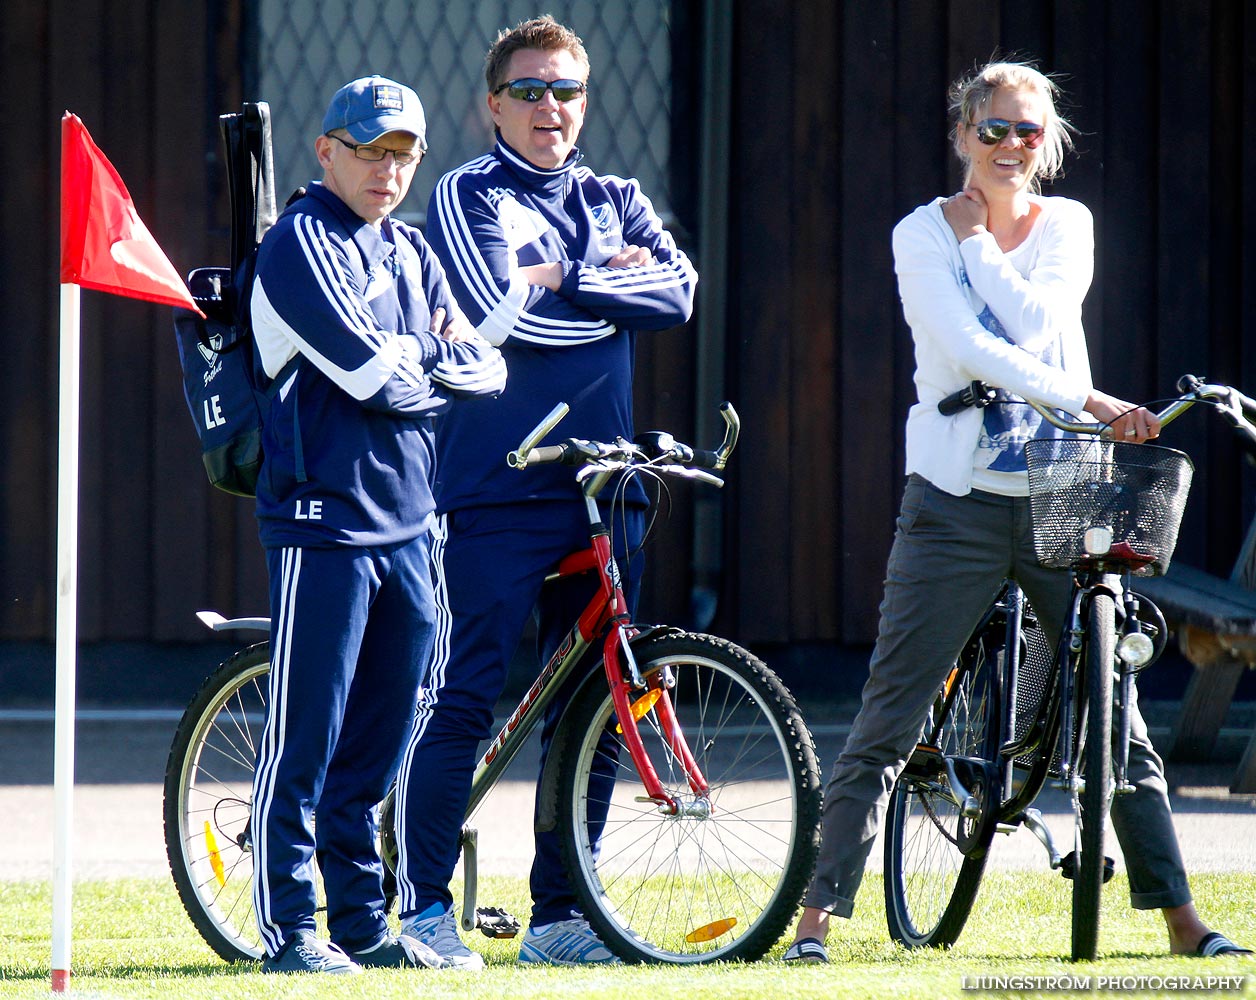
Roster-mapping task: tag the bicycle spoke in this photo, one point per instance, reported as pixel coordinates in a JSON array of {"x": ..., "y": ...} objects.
[
  {"x": 207, "y": 794},
  {"x": 929, "y": 882},
  {"x": 721, "y": 876}
]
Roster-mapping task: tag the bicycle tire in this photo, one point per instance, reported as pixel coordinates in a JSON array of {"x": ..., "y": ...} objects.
[
  {"x": 207, "y": 799},
  {"x": 930, "y": 883},
  {"x": 698, "y": 887},
  {"x": 1095, "y": 759}
]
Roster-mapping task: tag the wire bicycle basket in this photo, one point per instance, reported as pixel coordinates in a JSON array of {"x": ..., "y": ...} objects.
[{"x": 1136, "y": 491}]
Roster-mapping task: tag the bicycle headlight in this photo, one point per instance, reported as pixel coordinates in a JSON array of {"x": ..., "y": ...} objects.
[
  {"x": 1135, "y": 649},
  {"x": 1098, "y": 540}
]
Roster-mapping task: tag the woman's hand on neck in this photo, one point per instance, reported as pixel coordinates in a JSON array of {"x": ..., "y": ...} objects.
[
  {"x": 967, "y": 213},
  {"x": 1009, "y": 218}
]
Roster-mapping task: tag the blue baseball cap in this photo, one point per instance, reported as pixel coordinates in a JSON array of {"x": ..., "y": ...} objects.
[{"x": 373, "y": 105}]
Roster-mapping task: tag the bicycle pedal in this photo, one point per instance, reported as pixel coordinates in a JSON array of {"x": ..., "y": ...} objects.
[
  {"x": 1068, "y": 866},
  {"x": 925, "y": 762},
  {"x": 494, "y": 922}
]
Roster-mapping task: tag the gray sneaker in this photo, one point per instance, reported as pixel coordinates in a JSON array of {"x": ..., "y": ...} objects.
[
  {"x": 397, "y": 952},
  {"x": 440, "y": 933},
  {"x": 565, "y": 942},
  {"x": 306, "y": 953}
]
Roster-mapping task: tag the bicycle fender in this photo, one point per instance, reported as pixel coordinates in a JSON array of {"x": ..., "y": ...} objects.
[{"x": 547, "y": 783}]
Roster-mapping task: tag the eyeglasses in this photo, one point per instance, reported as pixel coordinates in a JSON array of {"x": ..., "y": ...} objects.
[
  {"x": 401, "y": 157},
  {"x": 992, "y": 131},
  {"x": 532, "y": 90}
]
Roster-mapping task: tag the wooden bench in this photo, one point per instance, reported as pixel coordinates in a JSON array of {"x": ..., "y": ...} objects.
[{"x": 1214, "y": 620}]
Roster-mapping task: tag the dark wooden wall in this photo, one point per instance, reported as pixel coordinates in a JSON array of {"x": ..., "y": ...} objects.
[
  {"x": 840, "y": 131},
  {"x": 837, "y": 130},
  {"x": 148, "y": 80}
]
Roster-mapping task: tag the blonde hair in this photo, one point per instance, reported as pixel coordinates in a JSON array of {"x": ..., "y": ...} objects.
[{"x": 968, "y": 97}]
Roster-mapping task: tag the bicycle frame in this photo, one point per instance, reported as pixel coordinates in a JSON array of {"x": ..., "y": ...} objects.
[{"x": 605, "y": 616}]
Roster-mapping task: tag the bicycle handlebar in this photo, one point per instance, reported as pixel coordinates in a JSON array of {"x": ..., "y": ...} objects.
[
  {"x": 658, "y": 449},
  {"x": 1238, "y": 410}
]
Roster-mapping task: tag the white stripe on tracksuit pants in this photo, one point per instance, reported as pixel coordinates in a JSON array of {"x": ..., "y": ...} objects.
[{"x": 351, "y": 639}]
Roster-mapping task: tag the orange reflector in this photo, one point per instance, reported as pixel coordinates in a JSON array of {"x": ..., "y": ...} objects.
[
  {"x": 215, "y": 857},
  {"x": 711, "y": 931},
  {"x": 641, "y": 707}
]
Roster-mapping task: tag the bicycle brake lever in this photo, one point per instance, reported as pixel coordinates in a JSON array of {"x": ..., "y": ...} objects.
[{"x": 685, "y": 472}]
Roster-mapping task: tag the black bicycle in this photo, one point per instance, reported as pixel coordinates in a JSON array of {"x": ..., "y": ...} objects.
[{"x": 1013, "y": 714}]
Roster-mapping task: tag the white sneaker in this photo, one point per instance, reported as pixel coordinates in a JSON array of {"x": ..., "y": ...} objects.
[
  {"x": 439, "y": 931},
  {"x": 565, "y": 942}
]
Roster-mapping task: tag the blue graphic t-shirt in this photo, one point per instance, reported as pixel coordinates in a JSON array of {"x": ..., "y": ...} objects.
[{"x": 1009, "y": 421}]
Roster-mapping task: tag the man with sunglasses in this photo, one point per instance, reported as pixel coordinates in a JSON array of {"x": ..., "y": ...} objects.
[
  {"x": 560, "y": 268},
  {"x": 354, "y": 321}
]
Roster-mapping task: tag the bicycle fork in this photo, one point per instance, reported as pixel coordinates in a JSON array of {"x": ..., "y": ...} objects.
[
  {"x": 1124, "y": 670},
  {"x": 656, "y": 699},
  {"x": 624, "y": 676}
]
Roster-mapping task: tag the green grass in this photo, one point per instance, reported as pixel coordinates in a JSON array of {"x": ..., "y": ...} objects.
[{"x": 132, "y": 940}]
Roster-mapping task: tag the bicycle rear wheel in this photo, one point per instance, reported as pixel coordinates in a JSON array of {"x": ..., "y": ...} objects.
[
  {"x": 1092, "y": 793},
  {"x": 722, "y": 879},
  {"x": 930, "y": 882},
  {"x": 207, "y": 795}
]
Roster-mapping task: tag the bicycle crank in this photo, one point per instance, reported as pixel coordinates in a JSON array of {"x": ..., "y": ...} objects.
[{"x": 972, "y": 784}]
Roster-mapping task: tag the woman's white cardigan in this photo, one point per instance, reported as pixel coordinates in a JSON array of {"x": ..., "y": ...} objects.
[{"x": 944, "y": 286}]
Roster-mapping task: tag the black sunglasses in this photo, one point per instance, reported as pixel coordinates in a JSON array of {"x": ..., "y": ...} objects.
[
  {"x": 532, "y": 90},
  {"x": 992, "y": 131}
]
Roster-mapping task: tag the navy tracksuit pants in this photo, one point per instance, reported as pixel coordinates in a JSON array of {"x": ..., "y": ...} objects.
[
  {"x": 351, "y": 635},
  {"x": 491, "y": 564}
]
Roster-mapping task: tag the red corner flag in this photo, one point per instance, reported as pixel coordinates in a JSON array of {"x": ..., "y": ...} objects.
[{"x": 104, "y": 245}]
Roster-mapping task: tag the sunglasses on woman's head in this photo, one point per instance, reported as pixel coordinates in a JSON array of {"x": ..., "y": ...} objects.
[{"x": 992, "y": 131}]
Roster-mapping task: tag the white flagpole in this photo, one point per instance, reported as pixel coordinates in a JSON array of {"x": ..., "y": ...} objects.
[{"x": 67, "y": 635}]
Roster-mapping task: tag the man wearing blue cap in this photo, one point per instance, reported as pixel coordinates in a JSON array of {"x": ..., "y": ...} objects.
[{"x": 353, "y": 319}]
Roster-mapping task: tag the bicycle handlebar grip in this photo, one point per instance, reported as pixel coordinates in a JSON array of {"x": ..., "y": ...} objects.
[
  {"x": 976, "y": 393},
  {"x": 548, "y": 453},
  {"x": 704, "y": 459}
]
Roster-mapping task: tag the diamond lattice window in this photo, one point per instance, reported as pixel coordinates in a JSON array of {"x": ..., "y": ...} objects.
[{"x": 309, "y": 48}]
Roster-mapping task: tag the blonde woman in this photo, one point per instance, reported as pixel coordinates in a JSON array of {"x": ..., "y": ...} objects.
[{"x": 992, "y": 281}]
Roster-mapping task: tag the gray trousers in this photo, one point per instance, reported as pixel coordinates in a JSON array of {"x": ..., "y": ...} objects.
[{"x": 949, "y": 559}]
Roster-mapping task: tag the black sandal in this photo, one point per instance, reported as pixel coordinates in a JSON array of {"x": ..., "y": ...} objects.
[
  {"x": 808, "y": 950},
  {"x": 1214, "y": 943}
]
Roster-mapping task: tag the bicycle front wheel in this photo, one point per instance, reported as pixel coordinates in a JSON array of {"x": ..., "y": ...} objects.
[
  {"x": 721, "y": 878},
  {"x": 208, "y": 791},
  {"x": 930, "y": 881},
  {"x": 1093, "y": 783}
]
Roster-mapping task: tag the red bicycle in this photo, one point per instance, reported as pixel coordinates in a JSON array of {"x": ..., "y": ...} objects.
[{"x": 707, "y": 839}]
